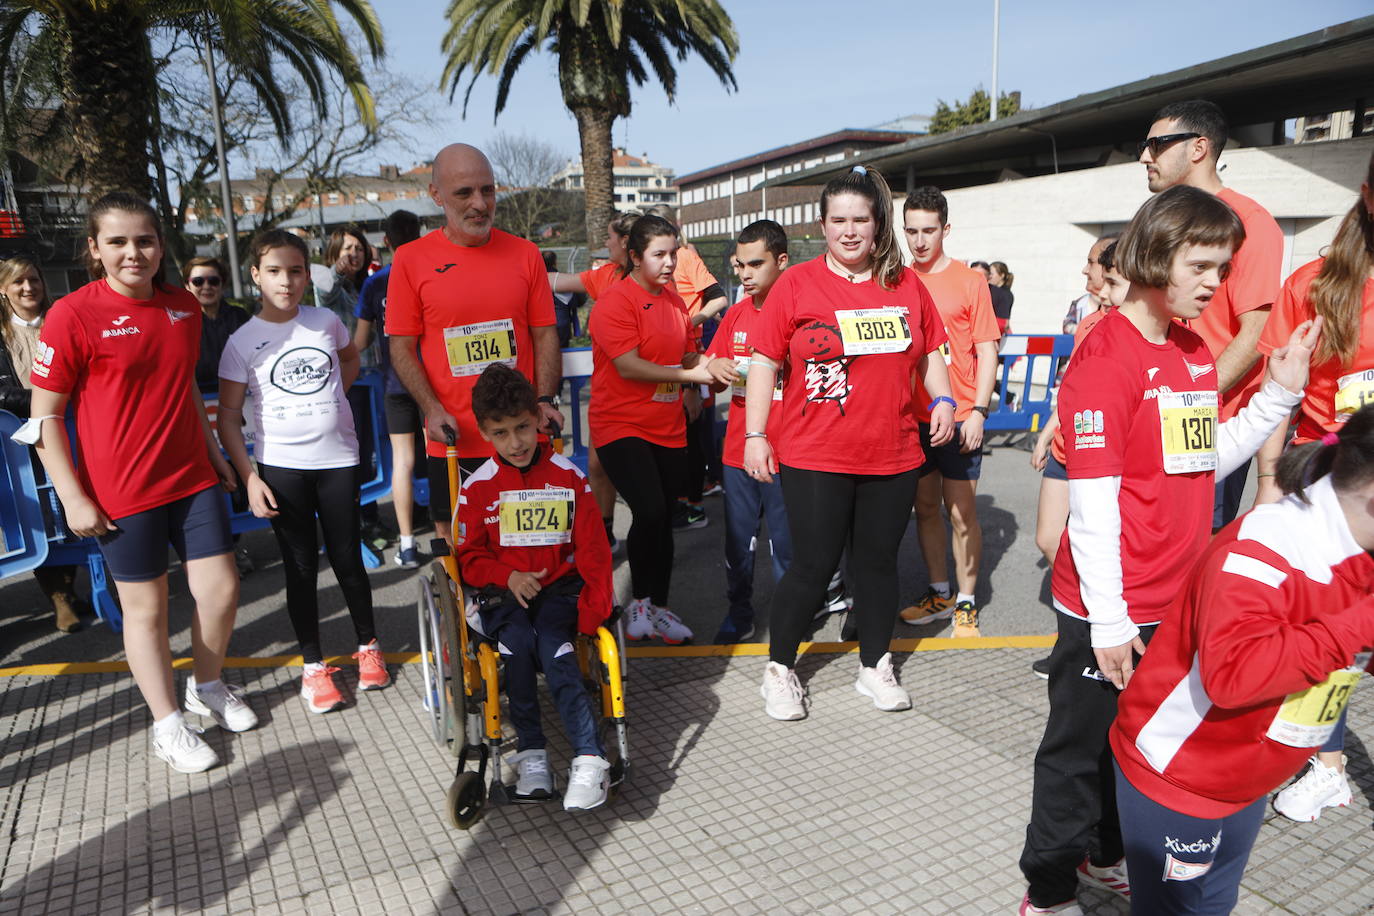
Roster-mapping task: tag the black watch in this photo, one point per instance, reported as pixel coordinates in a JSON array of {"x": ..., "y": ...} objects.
[
  {"x": 551, "y": 400},
  {"x": 981, "y": 409}
]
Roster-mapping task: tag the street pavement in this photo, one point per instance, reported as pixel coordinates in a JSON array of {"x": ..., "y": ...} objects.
[{"x": 724, "y": 811}]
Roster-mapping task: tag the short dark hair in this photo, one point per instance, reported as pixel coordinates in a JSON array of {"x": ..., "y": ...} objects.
[
  {"x": 502, "y": 392},
  {"x": 930, "y": 199},
  {"x": 550, "y": 259},
  {"x": 1198, "y": 116},
  {"x": 214, "y": 264},
  {"x": 401, "y": 227},
  {"x": 980, "y": 265},
  {"x": 1107, "y": 258},
  {"x": 268, "y": 239},
  {"x": 1182, "y": 215},
  {"x": 766, "y": 231}
]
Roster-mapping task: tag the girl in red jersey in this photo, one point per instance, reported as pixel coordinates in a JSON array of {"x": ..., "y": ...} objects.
[
  {"x": 1142, "y": 443},
  {"x": 1339, "y": 287},
  {"x": 642, "y": 355},
  {"x": 854, "y": 327},
  {"x": 123, "y": 350},
  {"x": 1249, "y": 674}
]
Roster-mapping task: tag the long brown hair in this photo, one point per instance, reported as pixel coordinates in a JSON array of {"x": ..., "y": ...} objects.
[
  {"x": 335, "y": 248},
  {"x": 1337, "y": 292},
  {"x": 10, "y": 270},
  {"x": 870, "y": 184}
]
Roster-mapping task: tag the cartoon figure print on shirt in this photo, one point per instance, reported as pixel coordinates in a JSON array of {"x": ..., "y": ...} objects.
[{"x": 827, "y": 367}]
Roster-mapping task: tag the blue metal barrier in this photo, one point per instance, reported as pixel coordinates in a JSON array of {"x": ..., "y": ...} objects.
[{"x": 1026, "y": 406}]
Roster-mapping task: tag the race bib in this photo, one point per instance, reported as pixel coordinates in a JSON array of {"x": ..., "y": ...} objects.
[
  {"x": 1188, "y": 431},
  {"x": 868, "y": 331},
  {"x": 1353, "y": 391},
  {"x": 742, "y": 367},
  {"x": 536, "y": 518},
  {"x": 668, "y": 392},
  {"x": 1307, "y": 718},
  {"x": 473, "y": 347}
]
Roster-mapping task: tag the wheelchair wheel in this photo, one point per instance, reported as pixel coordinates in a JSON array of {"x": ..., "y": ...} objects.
[
  {"x": 466, "y": 798},
  {"x": 434, "y": 690},
  {"x": 450, "y": 650}
]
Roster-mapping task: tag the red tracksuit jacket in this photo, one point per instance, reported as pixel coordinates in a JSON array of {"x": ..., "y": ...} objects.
[
  {"x": 543, "y": 517},
  {"x": 1253, "y": 663}
]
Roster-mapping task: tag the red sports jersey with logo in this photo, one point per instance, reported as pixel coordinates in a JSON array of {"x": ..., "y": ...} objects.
[
  {"x": 1255, "y": 661},
  {"x": 849, "y": 405},
  {"x": 732, "y": 342},
  {"x": 542, "y": 517},
  {"x": 1146, "y": 413},
  {"x": 129, "y": 366}
]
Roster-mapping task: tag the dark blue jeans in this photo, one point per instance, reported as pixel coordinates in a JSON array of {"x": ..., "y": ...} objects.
[
  {"x": 747, "y": 502},
  {"x": 1181, "y": 864},
  {"x": 542, "y": 636}
]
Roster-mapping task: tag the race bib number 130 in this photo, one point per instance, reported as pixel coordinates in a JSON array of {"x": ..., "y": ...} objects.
[
  {"x": 473, "y": 347},
  {"x": 1188, "y": 431},
  {"x": 867, "y": 331},
  {"x": 536, "y": 518}
]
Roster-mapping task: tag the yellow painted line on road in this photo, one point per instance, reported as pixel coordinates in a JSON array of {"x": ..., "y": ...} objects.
[{"x": 752, "y": 649}]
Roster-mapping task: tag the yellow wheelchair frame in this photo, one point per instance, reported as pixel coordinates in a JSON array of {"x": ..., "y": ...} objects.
[{"x": 461, "y": 684}]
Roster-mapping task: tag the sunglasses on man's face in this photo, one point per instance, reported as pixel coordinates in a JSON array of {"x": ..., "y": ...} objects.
[
  {"x": 202, "y": 281},
  {"x": 1157, "y": 144}
]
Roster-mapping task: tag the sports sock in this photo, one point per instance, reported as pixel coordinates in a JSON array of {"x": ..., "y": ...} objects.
[
  {"x": 941, "y": 588},
  {"x": 314, "y": 667},
  {"x": 208, "y": 686},
  {"x": 963, "y": 597},
  {"x": 407, "y": 541},
  {"x": 168, "y": 723}
]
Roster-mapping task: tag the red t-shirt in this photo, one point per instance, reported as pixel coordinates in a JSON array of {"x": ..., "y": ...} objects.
[
  {"x": 1087, "y": 324},
  {"x": 599, "y": 279},
  {"x": 961, "y": 294},
  {"x": 469, "y": 307},
  {"x": 1253, "y": 283},
  {"x": 1110, "y": 407},
  {"x": 852, "y": 350},
  {"x": 732, "y": 342},
  {"x": 1334, "y": 390},
  {"x": 625, "y": 318},
  {"x": 129, "y": 366}
]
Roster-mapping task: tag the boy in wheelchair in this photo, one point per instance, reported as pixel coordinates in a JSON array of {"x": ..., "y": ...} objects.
[{"x": 531, "y": 542}]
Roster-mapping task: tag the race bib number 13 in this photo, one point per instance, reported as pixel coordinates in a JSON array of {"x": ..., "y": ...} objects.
[
  {"x": 1307, "y": 718},
  {"x": 536, "y": 518},
  {"x": 867, "y": 331},
  {"x": 473, "y": 347},
  {"x": 1188, "y": 431}
]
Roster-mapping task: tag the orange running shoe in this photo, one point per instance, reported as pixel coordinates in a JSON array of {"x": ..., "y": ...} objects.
[
  {"x": 372, "y": 674},
  {"x": 319, "y": 691}
]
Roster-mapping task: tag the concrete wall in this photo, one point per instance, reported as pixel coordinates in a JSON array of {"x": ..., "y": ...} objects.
[{"x": 1042, "y": 227}]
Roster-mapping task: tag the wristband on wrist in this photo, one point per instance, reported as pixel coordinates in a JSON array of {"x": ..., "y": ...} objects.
[
  {"x": 756, "y": 435},
  {"x": 981, "y": 409},
  {"x": 942, "y": 400}
]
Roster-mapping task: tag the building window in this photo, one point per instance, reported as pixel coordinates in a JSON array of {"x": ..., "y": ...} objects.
[
  {"x": 247, "y": 203},
  {"x": 373, "y": 196},
  {"x": 333, "y": 198}
]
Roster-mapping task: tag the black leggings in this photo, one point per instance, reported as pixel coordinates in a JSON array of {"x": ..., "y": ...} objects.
[
  {"x": 828, "y": 512},
  {"x": 650, "y": 477},
  {"x": 333, "y": 495}
]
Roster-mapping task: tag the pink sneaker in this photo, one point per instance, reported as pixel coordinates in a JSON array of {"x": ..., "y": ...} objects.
[
  {"x": 319, "y": 691},
  {"x": 372, "y": 673},
  {"x": 1067, "y": 908}
]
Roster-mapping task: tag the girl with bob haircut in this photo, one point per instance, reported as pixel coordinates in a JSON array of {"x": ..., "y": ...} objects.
[
  {"x": 1138, "y": 406},
  {"x": 850, "y": 330},
  {"x": 123, "y": 349},
  {"x": 1250, "y": 674}
]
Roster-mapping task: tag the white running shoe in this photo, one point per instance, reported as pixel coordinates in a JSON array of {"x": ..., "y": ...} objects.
[
  {"x": 783, "y": 697},
  {"x": 224, "y": 704},
  {"x": 1067, "y": 908},
  {"x": 879, "y": 683},
  {"x": 1320, "y": 787},
  {"x": 588, "y": 783},
  {"x": 533, "y": 779},
  {"x": 637, "y": 623},
  {"x": 669, "y": 626},
  {"x": 1108, "y": 877},
  {"x": 183, "y": 749}
]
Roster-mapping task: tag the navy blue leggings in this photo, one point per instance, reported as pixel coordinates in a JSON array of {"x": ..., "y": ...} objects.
[{"x": 1189, "y": 866}]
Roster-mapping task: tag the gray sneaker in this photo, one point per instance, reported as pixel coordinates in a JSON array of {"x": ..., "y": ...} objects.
[
  {"x": 533, "y": 779},
  {"x": 588, "y": 783}
]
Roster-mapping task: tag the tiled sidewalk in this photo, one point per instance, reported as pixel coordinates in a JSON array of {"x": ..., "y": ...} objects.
[{"x": 726, "y": 811}]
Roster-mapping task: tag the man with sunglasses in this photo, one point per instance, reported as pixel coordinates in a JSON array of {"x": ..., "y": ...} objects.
[
  {"x": 205, "y": 280},
  {"x": 1182, "y": 148}
]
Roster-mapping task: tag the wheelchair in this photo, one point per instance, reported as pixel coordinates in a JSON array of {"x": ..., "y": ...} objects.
[{"x": 461, "y": 685}]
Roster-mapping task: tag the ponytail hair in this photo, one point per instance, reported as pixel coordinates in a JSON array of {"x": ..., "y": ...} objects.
[
  {"x": 1337, "y": 292},
  {"x": 870, "y": 184},
  {"x": 1347, "y": 455},
  {"x": 1007, "y": 276}
]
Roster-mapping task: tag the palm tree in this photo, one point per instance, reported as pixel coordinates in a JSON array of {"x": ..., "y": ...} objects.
[
  {"x": 601, "y": 45},
  {"x": 95, "y": 57}
]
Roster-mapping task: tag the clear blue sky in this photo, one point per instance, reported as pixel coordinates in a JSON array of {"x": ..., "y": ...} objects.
[{"x": 805, "y": 69}]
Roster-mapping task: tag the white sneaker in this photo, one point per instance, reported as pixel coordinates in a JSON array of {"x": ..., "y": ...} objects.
[
  {"x": 668, "y": 626},
  {"x": 223, "y": 704},
  {"x": 1108, "y": 877},
  {"x": 588, "y": 783},
  {"x": 637, "y": 623},
  {"x": 1067, "y": 908},
  {"x": 184, "y": 750},
  {"x": 533, "y": 779},
  {"x": 880, "y": 684},
  {"x": 1320, "y": 787},
  {"x": 783, "y": 697}
]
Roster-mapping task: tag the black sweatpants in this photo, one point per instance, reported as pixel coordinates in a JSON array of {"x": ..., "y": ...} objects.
[
  {"x": 828, "y": 512},
  {"x": 649, "y": 477},
  {"x": 332, "y": 494},
  {"x": 1073, "y": 801}
]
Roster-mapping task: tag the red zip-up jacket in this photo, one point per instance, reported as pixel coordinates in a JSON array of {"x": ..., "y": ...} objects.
[
  {"x": 1245, "y": 677},
  {"x": 551, "y": 522}
]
